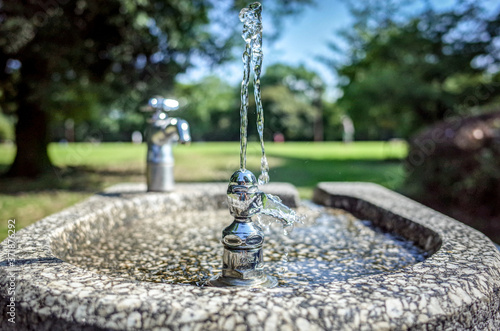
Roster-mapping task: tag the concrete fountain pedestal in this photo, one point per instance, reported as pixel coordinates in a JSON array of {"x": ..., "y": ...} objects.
[{"x": 456, "y": 287}]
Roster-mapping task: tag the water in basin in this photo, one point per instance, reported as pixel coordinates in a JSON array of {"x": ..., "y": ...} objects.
[{"x": 184, "y": 248}]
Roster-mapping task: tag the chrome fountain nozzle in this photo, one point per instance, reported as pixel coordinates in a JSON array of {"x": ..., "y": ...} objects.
[
  {"x": 242, "y": 261},
  {"x": 243, "y": 195}
]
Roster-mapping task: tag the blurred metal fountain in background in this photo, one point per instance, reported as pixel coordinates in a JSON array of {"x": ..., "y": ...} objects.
[{"x": 163, "y": 131}]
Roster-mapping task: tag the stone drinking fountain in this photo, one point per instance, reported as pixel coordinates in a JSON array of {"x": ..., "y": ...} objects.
[{"x": 364, "y": 258}]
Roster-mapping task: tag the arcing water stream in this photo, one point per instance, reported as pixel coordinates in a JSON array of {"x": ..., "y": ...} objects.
[{"x": 252, "y": 58}]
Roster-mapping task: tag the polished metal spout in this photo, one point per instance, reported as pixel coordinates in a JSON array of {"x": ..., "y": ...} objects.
[
  {"x": 242, "y": 261},
  {"x": 163, "y": 132}
]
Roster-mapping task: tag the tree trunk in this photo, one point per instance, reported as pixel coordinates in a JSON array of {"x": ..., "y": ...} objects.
[{"x": 32, "y": 139}]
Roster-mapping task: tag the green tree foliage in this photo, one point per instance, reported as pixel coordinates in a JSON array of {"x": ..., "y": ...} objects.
[
  {"x": 291, "y": 97},
  {"x": 406, "y": 74},
  {"x": 72, "y": 57},
  {"x": 292, "y": 100},
  {"x": 211, "y": 107}
]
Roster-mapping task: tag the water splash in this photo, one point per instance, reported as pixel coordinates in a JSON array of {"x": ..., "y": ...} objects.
[
  {"x": 252, "y": 57},
  {"x": 274, "y": 210}
]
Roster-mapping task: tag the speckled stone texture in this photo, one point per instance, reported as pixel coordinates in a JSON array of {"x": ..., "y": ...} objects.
[{"x": 456, "y": 288}]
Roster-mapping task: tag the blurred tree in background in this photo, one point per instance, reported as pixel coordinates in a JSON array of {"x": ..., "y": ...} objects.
[
  {"x": 433, "y": 77},
  {"x": 405, "y": 72},
  {"x": 295, "y": 105},
  {"x": 292, "y": 99},
  {"x": 69, "y": 59},
  {"x": 211, "y": 106}
]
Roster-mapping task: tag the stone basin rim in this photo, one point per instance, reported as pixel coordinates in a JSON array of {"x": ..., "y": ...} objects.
[{"x": 463, "y": 257}]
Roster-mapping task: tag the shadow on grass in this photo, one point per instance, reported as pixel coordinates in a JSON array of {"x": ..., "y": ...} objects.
[
  {"x": 71, "y": 178},
  {"x": 298, "y": 171}
]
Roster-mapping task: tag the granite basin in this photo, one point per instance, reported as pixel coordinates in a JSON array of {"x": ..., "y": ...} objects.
[{"x": 455, "y": 287}]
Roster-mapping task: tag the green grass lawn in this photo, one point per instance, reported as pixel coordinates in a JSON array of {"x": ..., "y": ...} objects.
[{"x": 82, "y": 169}]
